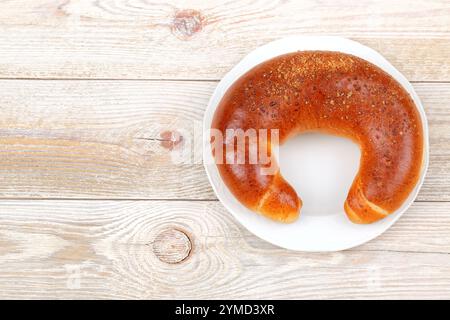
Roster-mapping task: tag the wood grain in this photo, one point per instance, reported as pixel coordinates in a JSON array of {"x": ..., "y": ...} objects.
[
  {"x": 107, "y": 139},
  {"x": 106, "y": 249},
  {"x": 101, "y": 139},
  {"x": 203, "y": 39},
  {"x": 87, "y": 142}
]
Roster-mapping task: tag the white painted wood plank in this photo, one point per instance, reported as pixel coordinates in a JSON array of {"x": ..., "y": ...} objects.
[
  {"x": 102, "y": 139},
  {"x": 204, "y": 39},
  {"x": 115, "y": 249}
]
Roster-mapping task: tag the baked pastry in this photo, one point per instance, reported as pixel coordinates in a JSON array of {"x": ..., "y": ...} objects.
[{"x": 333, "y": 93}]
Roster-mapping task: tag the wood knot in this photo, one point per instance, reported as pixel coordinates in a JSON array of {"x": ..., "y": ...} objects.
[
  {"x": 172, "y": 246},
  {"x": 170, "y": 139},
  {"x": 186, "y": 23}
]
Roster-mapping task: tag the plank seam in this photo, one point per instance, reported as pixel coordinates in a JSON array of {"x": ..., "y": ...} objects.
[{"x": 215, "y": 80}]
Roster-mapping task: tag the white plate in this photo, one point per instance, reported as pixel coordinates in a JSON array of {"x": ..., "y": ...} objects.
[{"x": 320, "y": 167}]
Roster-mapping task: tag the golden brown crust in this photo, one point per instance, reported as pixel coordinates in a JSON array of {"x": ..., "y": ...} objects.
[
  {"x": 334, "y": 93},
  {"x": 280, "y": 202}
]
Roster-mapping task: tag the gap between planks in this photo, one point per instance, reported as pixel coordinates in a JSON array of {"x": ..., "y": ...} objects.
[
  {"x": 149, "y": 199},
  {"x": 160, "y": 80}
]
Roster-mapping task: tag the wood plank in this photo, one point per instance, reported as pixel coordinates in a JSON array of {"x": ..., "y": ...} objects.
[
  {"x": 102, "y": 139},
  {"x": 203, "y": 40},
  {"x": 187, "y": 249},
  {"x": 99, "y": 139}
]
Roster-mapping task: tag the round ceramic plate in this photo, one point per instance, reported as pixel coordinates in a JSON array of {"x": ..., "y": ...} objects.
[{"x": 320, "y": 167}]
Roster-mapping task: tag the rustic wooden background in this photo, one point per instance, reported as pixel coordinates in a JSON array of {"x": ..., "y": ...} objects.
[{"x": 92, "y": 93}]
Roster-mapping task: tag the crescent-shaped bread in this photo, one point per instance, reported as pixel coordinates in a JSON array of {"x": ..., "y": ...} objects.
[{"x": 333, "y": 93}]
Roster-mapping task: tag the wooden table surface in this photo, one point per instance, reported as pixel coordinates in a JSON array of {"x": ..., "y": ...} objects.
[{"x": 93, "y": 205}]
